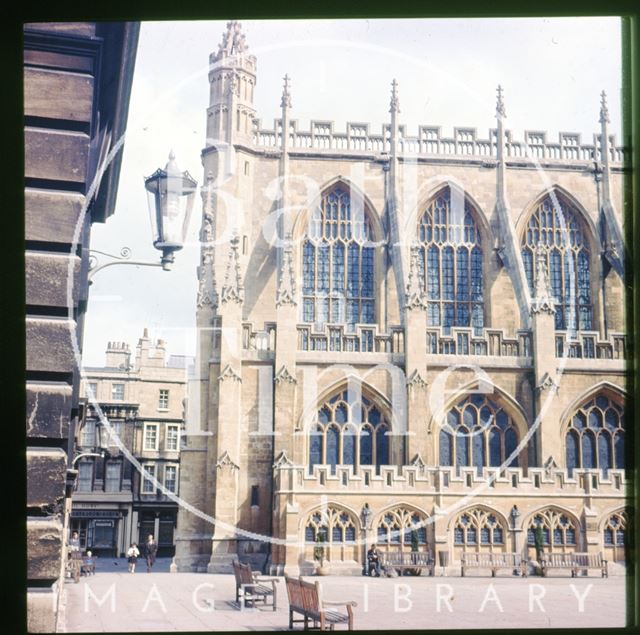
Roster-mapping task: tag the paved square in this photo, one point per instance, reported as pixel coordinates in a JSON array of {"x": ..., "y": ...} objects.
[{"x": 157, "y": 601}]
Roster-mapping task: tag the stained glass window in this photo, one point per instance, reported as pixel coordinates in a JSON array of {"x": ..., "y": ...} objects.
[
  {"x": 451, "y": 256},
  {"x": 478, "y": 428},
  {"x": 594, "y": 437},
  {"x": 338, "y": 265},
  {"x": 342, "y": 426},
  {"x": 557, "y": 229}
]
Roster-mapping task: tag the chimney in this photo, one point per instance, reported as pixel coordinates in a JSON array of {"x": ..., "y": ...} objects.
[{"x": 118, "y": 355}]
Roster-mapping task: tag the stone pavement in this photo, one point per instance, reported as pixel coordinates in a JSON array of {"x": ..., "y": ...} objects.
[{"x": 158, "y": 601}]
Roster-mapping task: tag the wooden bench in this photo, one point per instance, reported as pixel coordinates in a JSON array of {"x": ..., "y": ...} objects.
[
  {"x": 250, "y": 587},
  {"x": 402, "y": 561},
  {"x": 306, "y": 599},
  {"x": 574, "y": 562},
  {"x": 88, "y": 565},
  {"x": 494, "y": 561}
]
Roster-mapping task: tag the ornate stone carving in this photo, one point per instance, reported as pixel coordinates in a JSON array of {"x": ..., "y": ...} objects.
[
  {"x": 284, "y": 375},
  {"x": 226, "y": 461},
  {"x": 285, "y": 102},
  {"x": 233, "y": 84},
  {"x": 542, "y": 300},
  {"x": 233, "y": 41},
  {"x": 604, "y": 110},
  {"x": 286, "y": 293},
  {"x": 418, "y": 462},
  {"x": 229, "y": 373},
  {"x": 549, "y": 465},
  {"x": 282, "y": 461},
  {"x": 415, "y": 291},
  {"x": 547, "y": 382},
  {"x": 394, "y": 104},
  {"x": 232, "y": 290},
  {"x": 415, "y": 380},
  {"x": 500, "y": 110}
]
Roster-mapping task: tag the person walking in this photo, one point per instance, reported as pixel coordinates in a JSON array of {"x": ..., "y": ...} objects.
[
  {"x": 150, "y": 551},
  {"x": 132, "y": 557}
]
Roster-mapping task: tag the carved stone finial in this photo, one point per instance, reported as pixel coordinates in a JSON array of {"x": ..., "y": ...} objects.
[
  {"x": 500, "y": 109},
  {"x": 229, "y": 373},
  {"x": 233, "y": 289},
  {"x": 416, "y": 381},
  {"x": 415, "y": 289},
  {"x": 283, "y": 375},
  {"x": 543, "y": 298},
  {"x": 286, "y": 293},
  {"x": 225, "y": 461},
  {"x": 394, "y": 105},
  {"x": 286, "y": 95},
  {"x": 547, "y": 383},
  {"x": 233, "y": 41},
  {"x": 282, "y": 461},
  {"x": 604, "y": 110}
]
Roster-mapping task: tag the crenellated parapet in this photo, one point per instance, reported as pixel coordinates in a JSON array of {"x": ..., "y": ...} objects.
[
  {"x": 359, "y": 138},
  {"x": 450, "y": 481}
]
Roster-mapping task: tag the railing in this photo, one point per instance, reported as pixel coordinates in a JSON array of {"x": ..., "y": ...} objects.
[
  {"x": 588, "y": 345},
  {"x": 429, "y": 141},
  {"x": 490, "y": 342},
  {"x": 363, "y": 339}
]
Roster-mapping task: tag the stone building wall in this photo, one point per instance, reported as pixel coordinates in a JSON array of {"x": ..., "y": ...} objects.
[{"x": 267, "y": 372}]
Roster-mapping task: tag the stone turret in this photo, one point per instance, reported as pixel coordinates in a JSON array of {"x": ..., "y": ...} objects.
[{"x": 232, "y": 79}]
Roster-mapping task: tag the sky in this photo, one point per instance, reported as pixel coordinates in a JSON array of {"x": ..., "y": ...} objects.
[{"x": 552, "y": 72}]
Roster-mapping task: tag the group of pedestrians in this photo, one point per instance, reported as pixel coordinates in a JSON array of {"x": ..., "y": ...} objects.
[{"x": 149, "y": 551}]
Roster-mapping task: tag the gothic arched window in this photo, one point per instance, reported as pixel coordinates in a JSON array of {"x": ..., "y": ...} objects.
[
  {"x": 403, "y": 527},
  {"x": 338, "y": 263},
  {"x": 479, "y": 527},
  {"x": 478, "y": 432},
  {"x": 559, "y": 531},
  {"x": 451, "y": 264},
  {"x": 558, "y": 231},
  {"x": 349, "y": 432},
  {"x": 334, "y": 524},
  {"x": 595, "y": 436}
]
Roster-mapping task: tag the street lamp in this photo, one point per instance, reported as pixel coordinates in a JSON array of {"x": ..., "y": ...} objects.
[
  {"x": 170, "y": 195},
  {"x": 365, "y": 517}
]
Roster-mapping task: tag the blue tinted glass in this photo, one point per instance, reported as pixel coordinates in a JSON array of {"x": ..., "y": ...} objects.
[
  {"x": 604, "y": 451},
  {"x": 350, "y": 533},
  {"x": 338, "y": 268},
  {"x": 462, "y": 448},
  {"x": 367, "y": 272},
  {"x": 510, "y": 444},
  {"x": 323, "y": 268},
  {"x": 485, "y": 538},
  {"x": 307, "y": 310},
  {"x": 433, "y": 273},
  {"x": 527, "y": 261},
  {"x": 458, "y": 536},
  {"x": 608, "y": 536},
  {"x": 336, "y": 534},
  {"x": 472, "y": 535},
  {"x": 497, "y": 535},
  {"x": 353, "y": 270},
  {"x": 557, "y": 537},
  {"x": 570, "y": 535},
  {"x": 332, "y": 446},
  {"x": 620, "y": 537},
  {"x": 309, "y": 534},
  {"x": 308, "y": 268},
  {"x": 382, "y": 446},
  {"x": 495, "y": 459},
  {"x": 315, "y": 449},
  {"x": 478, "y": 450},
  {"x": 462, "y": 275},
  {"x": 619, "y": 448},
  {"x": 341, "y": 415},
  {"x": 588, "y": 450},
  {"x": 348, "y": 449},
  {"x": 365, "y": 447},
  {"x": 445, "y": 448},
  {"x": 572, "y": 451},
  {"x": 447, "y": 273}
]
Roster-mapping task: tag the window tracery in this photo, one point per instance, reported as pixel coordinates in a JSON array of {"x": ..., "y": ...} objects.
[
  {"x": 451, "y": 256},
  {"x": 338, "y": 264},
  {"x": 478, "y": 432},
  {"x": 396, "y": 526},
  {"x": 595, "y": 436},
  {"x": 335, "y": 524},
  {"x": 479, "y": 527},
  {"x": 558, "y": 529},
  {"x": 349, "y": 432},
  {"x": 559, "y": 231}
]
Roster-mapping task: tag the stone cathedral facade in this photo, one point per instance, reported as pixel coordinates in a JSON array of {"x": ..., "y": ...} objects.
[{"x": 403, "y": 339}]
